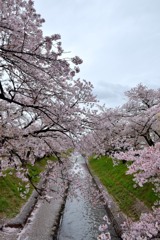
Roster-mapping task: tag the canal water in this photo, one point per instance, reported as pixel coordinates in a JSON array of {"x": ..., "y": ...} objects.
[{"x": 80, "y": 219}]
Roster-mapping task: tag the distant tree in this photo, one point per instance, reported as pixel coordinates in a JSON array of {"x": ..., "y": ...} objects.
[
  {"x": 106, "y": 133},
  {"x": 141, "y": 112}
]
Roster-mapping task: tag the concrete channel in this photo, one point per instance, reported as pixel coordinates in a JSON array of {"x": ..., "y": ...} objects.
[{"x": 62, "y": 218}]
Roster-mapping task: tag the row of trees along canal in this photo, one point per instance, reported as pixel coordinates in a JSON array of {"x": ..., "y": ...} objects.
[{"x": 46, "y": 110}]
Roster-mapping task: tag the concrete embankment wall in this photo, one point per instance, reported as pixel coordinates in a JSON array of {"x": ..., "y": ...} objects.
[{"x": 115, "y": 214}]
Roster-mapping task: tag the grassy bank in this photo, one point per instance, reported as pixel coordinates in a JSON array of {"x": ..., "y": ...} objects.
[
  {"x": 13, "y": 192},
  {"x": 120, "y": 185}
]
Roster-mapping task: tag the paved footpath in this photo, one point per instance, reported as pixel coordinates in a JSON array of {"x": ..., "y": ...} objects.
[{"x": 40, "y": 225}]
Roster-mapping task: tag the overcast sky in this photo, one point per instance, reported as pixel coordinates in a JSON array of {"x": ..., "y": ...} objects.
[{"x": 118, "y": 40}]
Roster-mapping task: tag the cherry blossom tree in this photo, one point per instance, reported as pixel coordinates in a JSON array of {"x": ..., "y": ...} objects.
[
  {"x": 43, "y": 107},
  {"x": 134, "y": 125},
  {"x": 106, "y": 133},
  {"x": 132, "y": 133},
  {"x": 145, "y": 168},
  {"x": 141, "y": 112}
]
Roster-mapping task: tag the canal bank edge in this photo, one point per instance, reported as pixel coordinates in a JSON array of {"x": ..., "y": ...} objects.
[{"x": 115, "y": 214}]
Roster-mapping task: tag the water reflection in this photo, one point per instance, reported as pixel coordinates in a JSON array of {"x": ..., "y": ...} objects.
[{"x": 80, "y": 220}]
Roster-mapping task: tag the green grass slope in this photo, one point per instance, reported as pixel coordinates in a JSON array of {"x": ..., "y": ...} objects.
[
  {"x": 13, "y": 192},
  {"x": 121, "y": 186}
]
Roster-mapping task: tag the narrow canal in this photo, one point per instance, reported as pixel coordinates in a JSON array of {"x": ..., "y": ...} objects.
[{"x": 80, "y": 219}]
